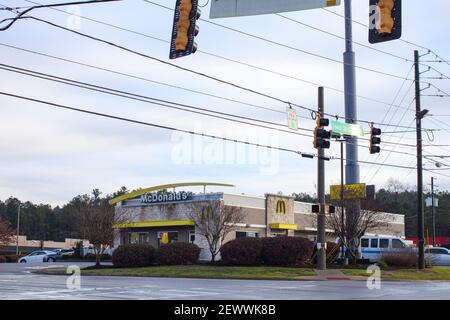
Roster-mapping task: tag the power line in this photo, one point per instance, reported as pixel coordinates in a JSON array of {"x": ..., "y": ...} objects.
[
  {"x": 159, "y": 83},
  {"x": 192, "y": 71},
  {"x": 152, "y": 100},
  {"x": 273, "y": 42},
  {"x": 222, "y": 57},
  {"x": 439, "y": 59},
  {"x": 343, "y": 38},
  {"x": 56, "y": 105},
  {"x": 161, "y": 102}
]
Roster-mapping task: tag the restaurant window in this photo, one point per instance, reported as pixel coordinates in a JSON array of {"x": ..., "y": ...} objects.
[
  {"x": 191, "y": 236},
  {"x": 243, "y": 234},
  {"x": 133, "y": 238},
  {"x": 144, "y": 238},
  {"x": 165, "y": 237}
]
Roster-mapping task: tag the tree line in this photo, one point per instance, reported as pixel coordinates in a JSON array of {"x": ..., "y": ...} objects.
[
  {"x": 44, "y": 222},
  {"x": 399, "y": 198}
]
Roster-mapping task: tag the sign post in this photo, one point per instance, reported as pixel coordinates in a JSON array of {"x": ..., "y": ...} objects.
[
  {"x": 347, "y": 129},
  {"x": 292, "y": 118}
]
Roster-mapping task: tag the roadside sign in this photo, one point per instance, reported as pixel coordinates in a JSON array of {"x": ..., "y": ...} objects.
[
  {"x": 347, "y": 129},
  {"x": 351, "y": 191},
  {"x": 292, "y": 118},
  {"x": 236, "y": 8},
  {"x": 428, "y": 202}
]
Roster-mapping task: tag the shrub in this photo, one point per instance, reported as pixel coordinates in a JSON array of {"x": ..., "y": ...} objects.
[
  {"x": 178, "y": 253},
  {"x": 91, "y": 256},
  {"x": 2, "y": 259},
  {"x": 401, "y": 258},
  {"x": 382, "y": 265},
  {"x": 13, "y": 258},
  {"x": 243, "y": 252},
  {"x": 286, "y": 251},
  {"x": 134, "y": 255}
]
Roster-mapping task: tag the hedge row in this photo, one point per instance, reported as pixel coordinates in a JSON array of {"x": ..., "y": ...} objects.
[
  {"x": 276, "y": 251},
  {"x": 143, "y": 255}
]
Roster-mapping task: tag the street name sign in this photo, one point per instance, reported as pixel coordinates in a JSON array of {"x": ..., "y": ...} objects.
[
  {"x": 236, "y": 8},
  {"x": 347, "y": 129},
  {"x": 351, "y": 191},
  {"x": 292, "y": 118}
]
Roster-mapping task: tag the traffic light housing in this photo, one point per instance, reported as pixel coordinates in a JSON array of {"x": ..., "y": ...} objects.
[
  {"x": 321, "y": 136},
  {"x": 385, "y": 20},
  {"x": 184, "y": 28},
  {"x": 375, "y": 140}
]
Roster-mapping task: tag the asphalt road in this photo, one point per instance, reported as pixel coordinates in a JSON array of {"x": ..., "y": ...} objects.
[{"x": 18, "y": 282}]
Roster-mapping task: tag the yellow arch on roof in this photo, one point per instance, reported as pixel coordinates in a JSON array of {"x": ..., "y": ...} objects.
[{"x": 166, "y": 186}]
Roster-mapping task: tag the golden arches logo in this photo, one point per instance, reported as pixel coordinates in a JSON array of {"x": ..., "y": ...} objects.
[{"x": 281, "y": 206}]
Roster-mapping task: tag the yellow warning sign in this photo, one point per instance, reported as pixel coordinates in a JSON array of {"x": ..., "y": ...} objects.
[{"x": 351, "y": 191}]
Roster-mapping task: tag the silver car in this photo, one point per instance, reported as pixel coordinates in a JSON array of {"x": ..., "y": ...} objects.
[{"x": 437, "y": 256}]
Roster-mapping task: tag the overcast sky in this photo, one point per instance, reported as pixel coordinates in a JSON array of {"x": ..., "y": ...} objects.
[{"x": 49, "y": 155}]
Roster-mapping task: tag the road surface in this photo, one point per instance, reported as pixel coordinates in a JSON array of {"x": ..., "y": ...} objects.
[{"x": 17, "y": 281}]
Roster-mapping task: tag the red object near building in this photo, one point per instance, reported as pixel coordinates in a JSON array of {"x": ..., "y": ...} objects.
[{"x": 440, "y": 241}]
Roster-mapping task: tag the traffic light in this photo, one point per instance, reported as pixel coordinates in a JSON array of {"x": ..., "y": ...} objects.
[
  {"x": 321, "y": 136},
  {"x": 184, "y": 28},
  {"x": 375, "y": 140},
  {"x": 385, "y": 20}
]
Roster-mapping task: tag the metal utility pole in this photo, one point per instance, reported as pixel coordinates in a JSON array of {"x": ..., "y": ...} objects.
[
  {"x": 433, "y": 217},
  {"x": 18, "y": 227},
  {"x": 321, "y": 241},
  {"x": 352, "y": 167},
  {"x": 419, "y": 115}
]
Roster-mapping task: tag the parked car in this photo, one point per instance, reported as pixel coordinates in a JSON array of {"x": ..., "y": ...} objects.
[
  {"x": 38, "y": 256},
  {"x": 371, "y": 248},
  {"x": 91, "y": 250},
  {"x": 437, "y": 256},
  {"x": 64, "y": 252}
]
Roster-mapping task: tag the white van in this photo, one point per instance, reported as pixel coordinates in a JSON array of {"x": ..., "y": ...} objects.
[{"x": 372, "y": 247}]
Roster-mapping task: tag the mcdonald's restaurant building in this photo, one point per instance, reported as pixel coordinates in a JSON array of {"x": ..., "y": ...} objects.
[{"x": 155, "y": 216}]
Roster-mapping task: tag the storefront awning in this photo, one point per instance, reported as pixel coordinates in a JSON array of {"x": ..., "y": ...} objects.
[
  {"x": 149, "y": 224},
  {"x": 283, "y": 226}
]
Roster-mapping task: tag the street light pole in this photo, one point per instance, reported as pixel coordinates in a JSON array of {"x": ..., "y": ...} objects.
[
  {"x": 18, "y": 227},
  {"x": 352, "y": 167},
  {"x": 433, "y": 217},
  {"x": 321, "y": 237}
]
